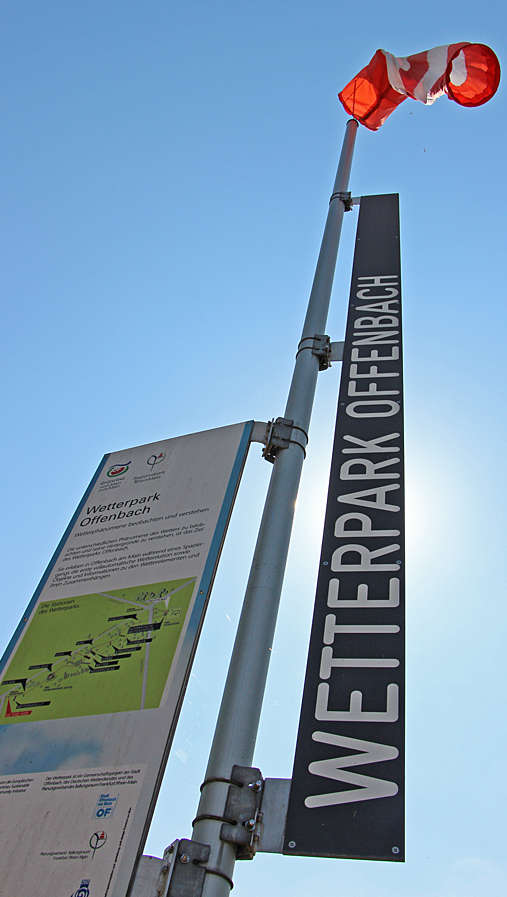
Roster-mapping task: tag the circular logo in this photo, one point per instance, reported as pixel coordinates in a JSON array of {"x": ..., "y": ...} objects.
[
  {"x": 118, "y": 469},
  {"x": 83, "y": 890},
  {"x": 155, "y": 459}
]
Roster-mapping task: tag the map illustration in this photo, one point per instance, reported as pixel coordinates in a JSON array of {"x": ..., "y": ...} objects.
[{"x": 101, "y": 653}]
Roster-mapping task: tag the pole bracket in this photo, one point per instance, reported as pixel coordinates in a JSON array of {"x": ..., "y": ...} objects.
[
  {"x": 337, "y": 351},
  {"x": 322, "y": 349},
  {"x": 280, "y": 433},
  {"x": 346, "y": 198},
  {"x": 320, "y": 346},
  {"x": 181, "y": 873},
  {"x": 243, "y": 805}
]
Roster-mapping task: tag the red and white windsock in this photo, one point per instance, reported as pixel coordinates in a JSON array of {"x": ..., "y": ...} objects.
[{"x": 468, "y": 73}]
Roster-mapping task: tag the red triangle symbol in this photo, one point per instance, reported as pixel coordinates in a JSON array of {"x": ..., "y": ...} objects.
[{"x": 11, "y": 713}]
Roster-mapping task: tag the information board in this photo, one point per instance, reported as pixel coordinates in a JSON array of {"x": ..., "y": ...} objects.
[{"x": 93, "y": 679}]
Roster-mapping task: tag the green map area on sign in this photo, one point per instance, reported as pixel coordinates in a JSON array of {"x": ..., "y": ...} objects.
[{"x": 91, "y": 654}]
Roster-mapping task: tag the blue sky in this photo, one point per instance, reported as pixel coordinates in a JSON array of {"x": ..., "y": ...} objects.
[{"x": 165, "y": 178}]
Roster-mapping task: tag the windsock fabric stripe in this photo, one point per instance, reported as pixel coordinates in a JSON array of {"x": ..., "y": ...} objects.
[
  {"x": 467, "y": 73},
  {"x": 430, "y": 87},
  {"x": 422, "y": 76}
]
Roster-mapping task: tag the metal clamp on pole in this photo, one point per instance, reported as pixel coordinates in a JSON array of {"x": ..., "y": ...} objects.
[
  {"x": 280, "y": 433},
  {"x": 243, "y": 805},
  {"x": 320, "y": 346},
  {"x": 322, "y": 349},
  {"x": 182, "y": 873},
  {"x": 346, "y": 198}
]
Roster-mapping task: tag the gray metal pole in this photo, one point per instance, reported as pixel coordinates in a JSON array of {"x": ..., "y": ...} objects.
[{"x": 238, "y": 719}]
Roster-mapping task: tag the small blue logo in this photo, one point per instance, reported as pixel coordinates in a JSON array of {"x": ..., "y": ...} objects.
[
  {"x": 106, "y": 805},
  {"x": 83, "y": 889}
]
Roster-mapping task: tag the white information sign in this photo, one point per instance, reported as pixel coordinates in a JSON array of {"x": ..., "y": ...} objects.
[{"x": 92, "y": 681}]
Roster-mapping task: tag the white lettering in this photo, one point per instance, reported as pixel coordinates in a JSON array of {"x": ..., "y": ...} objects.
[
  {"x": 376, "y": 323},
  {"x": 393, "y": 407},
  {"x": 370, "y": 446},
  {"x": 373, "y": 371},
  {"x": 355, "y": 713},
  {"x": 370, "y": 469},
  {"x": 372, "y": 390},
  {"x": 380, "y": 306},
  {"x": 368, "y": 787},
  {"x": 362, "y": 600},
  {"x": 374, "y": 355},
  {"x": 365, "y": 529},
  {"x": 359, "y": 498},
  {"x": 366, "y": 559},
  {"x": 377, "y": 279},
  {"x": 328, "y": 662},
  {"x": 367, "y": 339},
  {"x": 331, "y": 629}
]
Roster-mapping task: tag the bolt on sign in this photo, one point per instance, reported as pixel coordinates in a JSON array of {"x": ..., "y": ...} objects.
[
  {"x": 347, "y": 797},
  {"x": 93, "y": 679}
]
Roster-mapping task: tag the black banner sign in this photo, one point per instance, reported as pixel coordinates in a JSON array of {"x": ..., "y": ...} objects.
[{"x": 347, "y": 796}]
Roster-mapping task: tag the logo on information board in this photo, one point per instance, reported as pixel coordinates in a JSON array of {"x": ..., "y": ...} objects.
[
  {"x": 97, "y": 840},
  {"x": 83, "y": 889},
  {"x": 106, "y": 805},
  {"x": 117, "y": 470},
  {"x": 155, "y": 459}
]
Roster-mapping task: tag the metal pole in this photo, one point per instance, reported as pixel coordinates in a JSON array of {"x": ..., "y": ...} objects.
[{"x": 238, "y": 719}]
